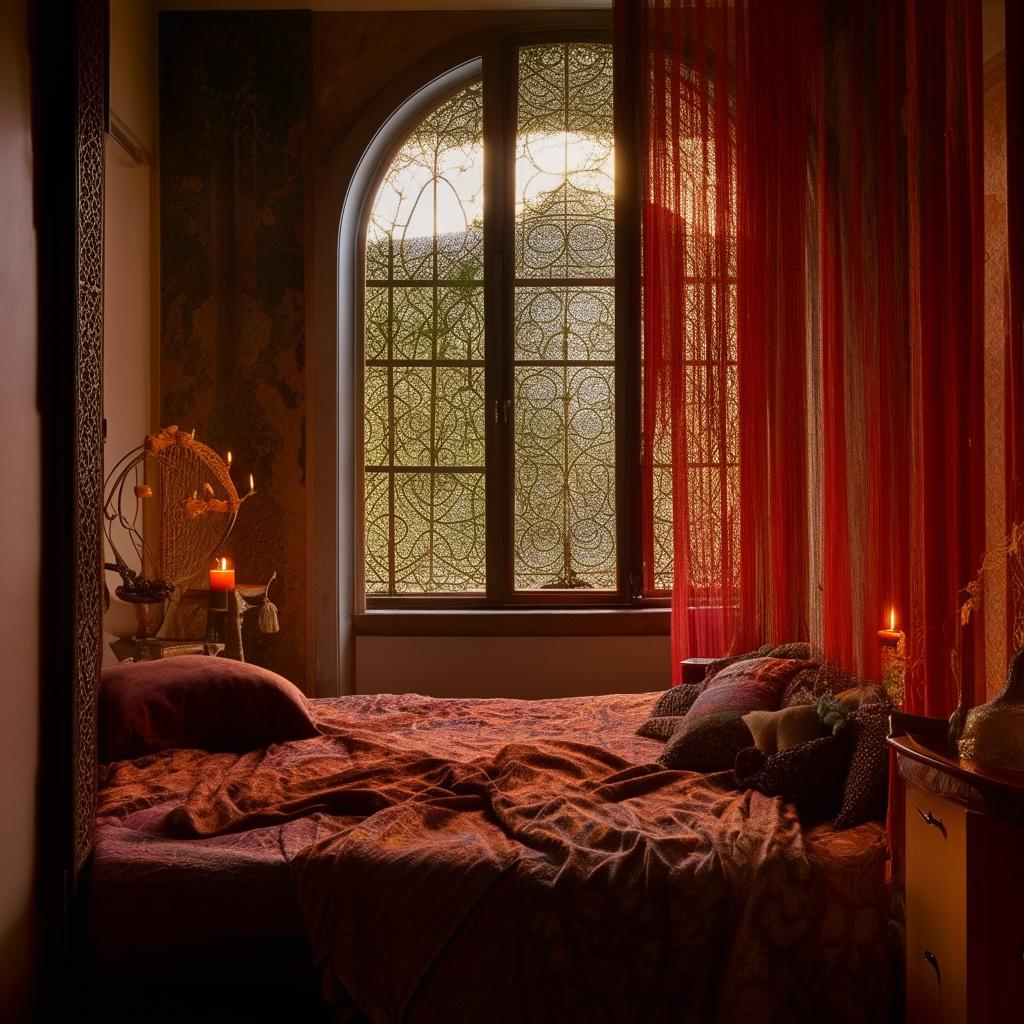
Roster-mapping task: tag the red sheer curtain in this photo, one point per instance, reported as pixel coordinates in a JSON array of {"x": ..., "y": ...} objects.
[
  {"x": 778, "y": 81},
  {"x": 1015, "y": 245},
  {"x": 813, "y": 348},
  {"x": 690, "y": 443},
  {"x": 946, "y": 280}
]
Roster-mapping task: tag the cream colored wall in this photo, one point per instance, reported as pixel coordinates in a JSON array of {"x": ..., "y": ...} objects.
[
  {"x": 20, "y": 503},
  {"x": 130, "y": 292},
  {"x": 523, "y": 666}
]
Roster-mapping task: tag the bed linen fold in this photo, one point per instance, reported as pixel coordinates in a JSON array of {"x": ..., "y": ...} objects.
[{"x": 626, "y": 891}]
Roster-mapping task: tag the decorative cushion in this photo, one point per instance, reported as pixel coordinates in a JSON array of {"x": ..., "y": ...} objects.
[
  {"x": 713, "y": 732},
  {"x": 194, "y": 701},
  {"x": 809, "y": 775},
  {"x": 817, "y": 679},
  {"x": 710, "y": 743},
  {"x": 721, "y": 663},
  {"x": 676, "y": 700},
  {"x": 800, "y": 650},
  {"x": 660, "y": 728},
  {"x": 779, "y": 730},
  {"x": 866, "y": 791},
  {"x": 669, "y": 711}
]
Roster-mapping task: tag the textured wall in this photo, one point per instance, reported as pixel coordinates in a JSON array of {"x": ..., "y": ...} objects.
[
  {"x": 234, "y": 96},
  {"x": 20, "y": 504}
]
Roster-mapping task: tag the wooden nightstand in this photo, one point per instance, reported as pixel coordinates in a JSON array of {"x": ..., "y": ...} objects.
[
  {"x": 964, "y": 887},
  {"x": 155, "y": 648}
]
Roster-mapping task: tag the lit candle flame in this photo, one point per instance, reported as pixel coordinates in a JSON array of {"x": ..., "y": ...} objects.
[
  {"x": 223, "y": 564},
  {"x": 892, "y": 619},
  {"x": 251, "y": 486},
  {"x": 228, "y": 460}
]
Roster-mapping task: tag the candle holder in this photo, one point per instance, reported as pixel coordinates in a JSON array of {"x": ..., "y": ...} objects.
[
  {"x": 217, "y": 616},
  {"x": 894, "y": 662}
]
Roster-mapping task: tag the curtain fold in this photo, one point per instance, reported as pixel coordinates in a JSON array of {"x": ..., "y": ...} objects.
[
  {"x": 690, "y": 448},
  {"x": 812, "y": 319},
  {"x": 1014, "y": 478},
  {"x": 946, "y": 282},
  {"x": 778, "y": 83}
]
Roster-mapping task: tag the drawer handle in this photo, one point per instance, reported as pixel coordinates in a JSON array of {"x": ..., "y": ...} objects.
[
  {"x": 932, "y": 959},
  {"x": 929, "y": 819}
]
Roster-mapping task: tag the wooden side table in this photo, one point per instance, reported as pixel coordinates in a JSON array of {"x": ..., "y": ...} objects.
[
  {"x": 694, "y": 670},
  {"x": 154, "y": 648},
  {"x": 964, "y": 886}
]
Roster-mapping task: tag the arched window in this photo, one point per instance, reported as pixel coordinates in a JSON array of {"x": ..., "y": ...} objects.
[{"x": 492, "y": 366}]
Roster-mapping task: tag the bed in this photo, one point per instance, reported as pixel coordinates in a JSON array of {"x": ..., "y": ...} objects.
[{"x": 500, "y": 860}]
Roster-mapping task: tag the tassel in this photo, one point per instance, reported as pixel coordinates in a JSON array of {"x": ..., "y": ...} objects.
[
  {"x": 268, "y": 610},
  {"x": 268, "y": 617}
]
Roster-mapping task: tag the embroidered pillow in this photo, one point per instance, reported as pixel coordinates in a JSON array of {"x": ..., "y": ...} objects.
[
  {"x": 676, "y": 701},
  {"x": 713, "y": 732},
  {"x": 866, "y": 792},
  {"x": 718, "y": 664},
  {"x": 668, "y": 712},
  {"x": 815, "y": 680},
  {"x": 193, "y": 701},
  {"x": 800, "y": 650},
  {"x": 809, "y": 775},
  {"x": 660, "y": 728}
]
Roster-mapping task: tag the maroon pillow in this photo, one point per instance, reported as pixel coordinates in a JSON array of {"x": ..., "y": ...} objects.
[
  {"x": 194, "y": 701},
  {"x": 713, "y": 732}
]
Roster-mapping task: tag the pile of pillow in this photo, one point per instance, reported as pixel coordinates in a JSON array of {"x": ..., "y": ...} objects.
[{"x": 787, "y": 726}]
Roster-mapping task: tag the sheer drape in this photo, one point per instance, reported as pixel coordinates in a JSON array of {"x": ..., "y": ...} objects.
[
  {"x": 690, "y": 443},
  {"x": 1015, "y": 335},
  {"x": 813, "y": 257}
]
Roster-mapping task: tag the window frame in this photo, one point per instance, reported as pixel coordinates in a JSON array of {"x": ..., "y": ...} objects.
[{"x": 516, "y": 610}]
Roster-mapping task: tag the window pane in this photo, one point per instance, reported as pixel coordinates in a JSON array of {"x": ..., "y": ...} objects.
[
  {"x": 427, "y": 217},
  {"x": 565, "y": 162},
  {"x": 439, "y": 532},
  {"x": 565, "y": 477},
  {"x": 564, "y": 353},
  {"x": 423, "y": 380},
  {"x": 565, "y": 323}
]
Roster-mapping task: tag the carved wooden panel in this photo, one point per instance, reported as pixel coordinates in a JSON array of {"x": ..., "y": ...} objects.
[{"x": 90, "y": 104}]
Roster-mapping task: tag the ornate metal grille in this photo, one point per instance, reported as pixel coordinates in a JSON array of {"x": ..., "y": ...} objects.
[
  {"x": 564, "y": 373},
  {"x": 423, "y": 381}
]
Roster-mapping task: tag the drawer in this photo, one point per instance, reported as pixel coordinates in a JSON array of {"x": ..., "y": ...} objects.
[{"x": 936, "y": 871}]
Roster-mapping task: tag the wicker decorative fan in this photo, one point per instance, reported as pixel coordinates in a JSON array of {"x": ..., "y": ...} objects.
[{"x": 198, "y": 506}]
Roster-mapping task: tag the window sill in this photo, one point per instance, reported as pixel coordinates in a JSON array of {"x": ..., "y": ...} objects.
[{"x": 514, "y": 622}]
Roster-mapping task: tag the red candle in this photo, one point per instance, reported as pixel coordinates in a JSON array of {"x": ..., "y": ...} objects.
[
  {"x": 222, "y": 578},
  {"x": 891, "y": 635}
]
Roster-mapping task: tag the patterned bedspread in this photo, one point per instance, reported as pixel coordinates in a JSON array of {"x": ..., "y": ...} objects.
[{"x": 500, "y": 860}]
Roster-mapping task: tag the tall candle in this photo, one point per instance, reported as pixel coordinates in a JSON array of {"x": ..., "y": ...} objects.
[{"x": 222, "y": 578}]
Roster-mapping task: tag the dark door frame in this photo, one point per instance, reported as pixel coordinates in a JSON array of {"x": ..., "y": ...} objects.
[{"x": 69, "y": 59}]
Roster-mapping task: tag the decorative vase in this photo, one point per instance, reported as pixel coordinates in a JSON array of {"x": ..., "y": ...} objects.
[
  {"x": 994, "y": 732},
  {"x": 149, "y": 617}
]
